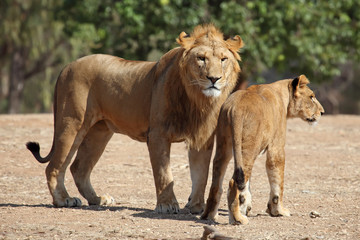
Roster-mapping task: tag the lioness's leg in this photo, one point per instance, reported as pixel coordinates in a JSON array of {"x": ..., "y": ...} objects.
[
  {"x": 275, "y": 164},
  {"x": 159, "y": 150},
  {"x": 239, "y": 202},
  {"x": 222, "y": 158},
  {"x": 239, "y": 196},
  {"x": 87, "y": 156},
  {"x": 67, "y": 143},
  {"x": 199, "y": 169}
]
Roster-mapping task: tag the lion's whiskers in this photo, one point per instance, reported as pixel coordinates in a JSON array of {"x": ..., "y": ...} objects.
[
  {"x": 199, "y": 82},
  {"x": 193, "y": 82}
]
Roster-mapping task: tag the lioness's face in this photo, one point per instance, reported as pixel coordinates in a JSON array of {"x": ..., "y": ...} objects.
[
  {"x": 305, "y": 105},
  {"x": 210, "y": 67}
]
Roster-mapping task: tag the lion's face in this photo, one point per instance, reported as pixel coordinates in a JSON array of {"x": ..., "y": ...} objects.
[
  {"x": 209, "y": 61},
  {"x": 304, "y": 103},
  {"x": 210, "y": 67}
]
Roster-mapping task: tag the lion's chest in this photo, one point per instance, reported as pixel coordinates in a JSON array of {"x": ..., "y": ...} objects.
[{"x": 195, "y": 128}]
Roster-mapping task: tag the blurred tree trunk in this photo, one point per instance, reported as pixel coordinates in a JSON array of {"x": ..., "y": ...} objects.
[
  {"x": 17, "y": 79},
  {"x": 32, "y": 41}
]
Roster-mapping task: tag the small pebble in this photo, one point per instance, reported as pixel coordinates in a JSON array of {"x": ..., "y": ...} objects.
[{"x": 314, "y": 214}]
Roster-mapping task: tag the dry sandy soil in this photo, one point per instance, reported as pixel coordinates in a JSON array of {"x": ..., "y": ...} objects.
[{"x": 322, "y": 176}]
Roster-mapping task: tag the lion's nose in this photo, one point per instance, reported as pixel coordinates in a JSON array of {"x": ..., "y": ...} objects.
[
  {"x": 213, "y": 79},
  {"x": 322, "y": 113}
]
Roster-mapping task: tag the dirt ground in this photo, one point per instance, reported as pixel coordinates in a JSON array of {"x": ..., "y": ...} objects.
[{"x": 322, "y": 176}]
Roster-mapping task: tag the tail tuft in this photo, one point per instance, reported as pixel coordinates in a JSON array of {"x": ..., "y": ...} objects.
[
  {"x": 239, "y": 178},
  {"x": 34, "y": 147}
]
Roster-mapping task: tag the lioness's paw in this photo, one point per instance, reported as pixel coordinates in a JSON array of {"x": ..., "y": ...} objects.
[
  {"x": 167, "y": 208},
  {"x": 238, "y": 220},
  {"x": 284, "y": 212},
  {"x": 107, "y": 200},
  {"x": 278, "y": 211},
  {"x": 235, "y": 216},
  {"x": 69, "y": 202},
  {"x": 245, "y": 209}
]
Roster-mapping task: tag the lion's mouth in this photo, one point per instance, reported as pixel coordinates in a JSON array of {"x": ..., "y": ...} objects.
[
  {"x": 311, "y": 121},
  {"x": 212, "y": 91},
  {"x": 213, "y": 87}
]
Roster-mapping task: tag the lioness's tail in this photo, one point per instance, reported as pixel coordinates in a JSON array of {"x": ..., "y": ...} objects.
[
  {"x": 34, "y": 147},
  {"x": 236, "y": 130}
]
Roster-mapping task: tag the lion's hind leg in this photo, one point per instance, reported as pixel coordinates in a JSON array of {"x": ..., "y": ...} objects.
[
  {"x": 87, "y": 156},
  {"x": 68, "y": 140}
]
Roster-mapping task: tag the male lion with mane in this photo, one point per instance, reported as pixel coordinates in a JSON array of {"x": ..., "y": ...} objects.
[
  {"x": 175, "y": 99},
  {"x": 251, "y": 122}
]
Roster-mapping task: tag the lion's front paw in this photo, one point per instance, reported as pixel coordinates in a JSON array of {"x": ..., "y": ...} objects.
[
  {"x": 207, "y": 215},
  {"x": 167, "y": 208},
  {"x": 195, "y": 208},
  {"x": 107, "y": 200},
  {"x": 69, "y": 202}
]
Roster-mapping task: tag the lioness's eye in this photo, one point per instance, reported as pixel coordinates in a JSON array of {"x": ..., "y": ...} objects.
[
  {"x": 224, "y": 59},
  {"x": 201, "y": 58},
  {"x": 312, "y": 98}
]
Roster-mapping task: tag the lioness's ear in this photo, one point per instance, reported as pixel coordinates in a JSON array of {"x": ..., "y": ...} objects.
[
  {"x": 234, "y": 44},
  {"x": 185, "y": 40},
  {"x": 299, "y": 82},
  {"x": 303, "y": 81}
]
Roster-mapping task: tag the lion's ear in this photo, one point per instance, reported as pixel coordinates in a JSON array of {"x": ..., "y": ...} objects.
[
  {"x": 185, "y": 40},
  {"x": 299, "y": 82},
  {"x": 234, "y": 44}
]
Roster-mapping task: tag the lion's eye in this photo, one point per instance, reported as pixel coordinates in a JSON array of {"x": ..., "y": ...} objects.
[
  {"x": 201, "y": 58},
  {"x": 312, "y": 98},
  {"x": 224, "y": 59}
]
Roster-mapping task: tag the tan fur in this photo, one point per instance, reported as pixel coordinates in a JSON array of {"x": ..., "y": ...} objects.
[
  {"x": 250, "y": 122},
  {"x": 154, "y": 102}
]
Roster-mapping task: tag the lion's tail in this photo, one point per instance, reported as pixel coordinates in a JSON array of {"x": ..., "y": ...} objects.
[{"x": 34, "y": 147}]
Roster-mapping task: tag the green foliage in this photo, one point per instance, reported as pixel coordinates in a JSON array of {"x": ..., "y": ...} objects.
[
  {"x": 286, "y": 37},
  {"x": 30, "y": 31},
  {"x": 132, "y": 29},
  {"x": 311, "y": 37}
]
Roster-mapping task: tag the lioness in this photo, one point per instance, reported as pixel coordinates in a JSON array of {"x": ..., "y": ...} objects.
[
  {"x": 175, "y": 99},
  {"x": 250, "y": 122}
]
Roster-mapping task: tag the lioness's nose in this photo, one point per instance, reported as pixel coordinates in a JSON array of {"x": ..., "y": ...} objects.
[
  {"x": 213, "y": 79},
  {"x": 322, "y": 113}
]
